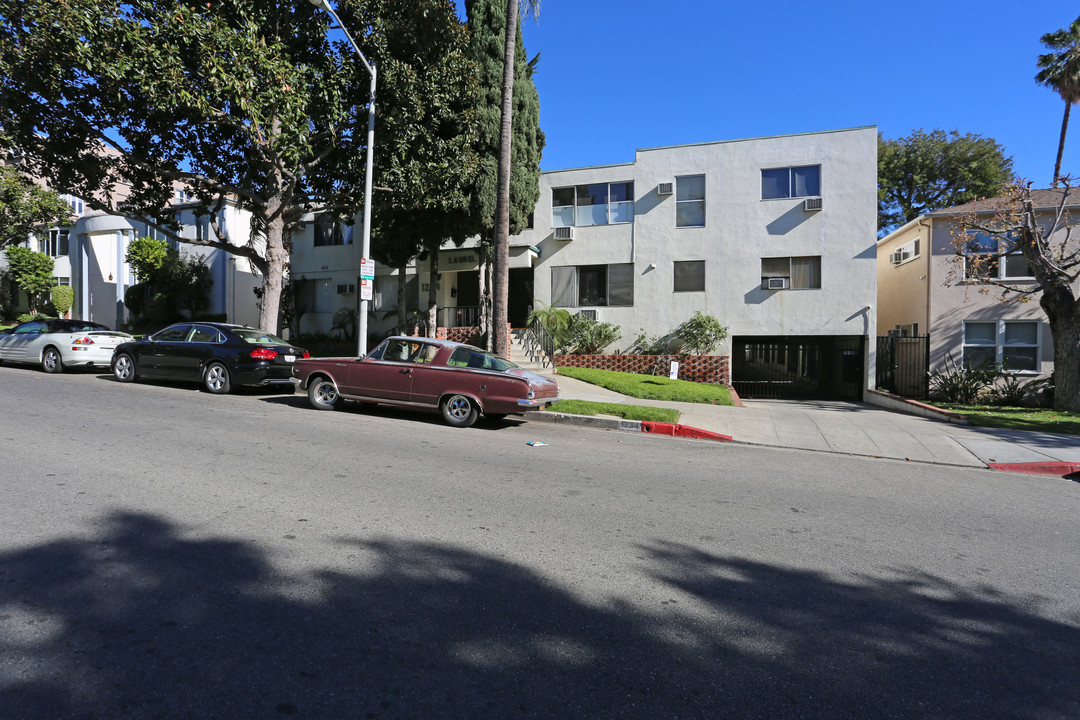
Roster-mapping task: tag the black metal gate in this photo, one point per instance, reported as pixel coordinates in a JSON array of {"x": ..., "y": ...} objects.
[
  {"x": 903, "y": 365},
  {"x": 807, "y": 367}
]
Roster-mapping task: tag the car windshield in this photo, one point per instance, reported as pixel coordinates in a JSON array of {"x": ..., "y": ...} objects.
[
  {"x": 258, "y": 337},
  {"x": 478, "y": 359}
]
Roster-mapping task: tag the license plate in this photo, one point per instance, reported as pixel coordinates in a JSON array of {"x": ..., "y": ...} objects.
[{"x": 290, "y": 358}]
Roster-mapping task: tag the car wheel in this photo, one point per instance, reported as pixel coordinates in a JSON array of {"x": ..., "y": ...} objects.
[
  {"x": 216, "y": 379},
  {"x": 459, "y": 410},
  {"x": 323, "y": 395},
  {"x": 51, "y": 362},
  {"x": 123, "y": 368}
]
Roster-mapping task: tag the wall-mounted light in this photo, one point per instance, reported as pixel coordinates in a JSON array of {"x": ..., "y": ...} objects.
[{"x": 110, "y": 277}]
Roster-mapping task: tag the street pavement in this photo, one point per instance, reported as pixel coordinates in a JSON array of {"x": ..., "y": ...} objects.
[{"x": 856, "y": 428}]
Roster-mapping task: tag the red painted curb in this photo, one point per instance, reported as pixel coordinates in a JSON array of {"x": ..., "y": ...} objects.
[
  {"x": 1046, "y": 468},
  {"x": 658, "y": 428}
]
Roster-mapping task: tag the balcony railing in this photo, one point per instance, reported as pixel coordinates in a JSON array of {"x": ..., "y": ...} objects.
[{"x": 468, "y": 316}]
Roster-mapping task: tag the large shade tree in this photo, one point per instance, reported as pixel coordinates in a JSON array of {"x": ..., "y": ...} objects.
[
  {"x": 1059, "y": 70},
  {"x": 928, "y": 171},
  {"x": 487, "y": 17},
  {"x": 256, "y": 102},
  {"x": 1038, "y": 224},
  {"x": 26, "y": 206}
]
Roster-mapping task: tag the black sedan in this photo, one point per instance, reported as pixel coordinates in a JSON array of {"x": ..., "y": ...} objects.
[{"x": 216, "y": 354}]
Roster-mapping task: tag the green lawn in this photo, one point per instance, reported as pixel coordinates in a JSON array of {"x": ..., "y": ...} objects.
[
  {"x": 651, "y": 387},
  {"x": 1018, "y": 418},
  {"x": 626, "y": 412}
]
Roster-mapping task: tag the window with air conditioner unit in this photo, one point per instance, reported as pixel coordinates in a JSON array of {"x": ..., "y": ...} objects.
[
  {"x": 791, "y": 273},
  {"x": 908, "y": 251}
]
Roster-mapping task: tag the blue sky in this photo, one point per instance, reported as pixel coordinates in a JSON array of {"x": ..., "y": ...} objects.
[{"x": 614, "y": 77}]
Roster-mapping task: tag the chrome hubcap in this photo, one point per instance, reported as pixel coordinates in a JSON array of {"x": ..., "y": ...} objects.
[
  {"x": 325, "y": 394},
  {"x": 459, "y": 408}
]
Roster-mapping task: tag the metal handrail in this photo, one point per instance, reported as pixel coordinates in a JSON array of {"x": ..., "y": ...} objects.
[{"x": 542, "y": 338}]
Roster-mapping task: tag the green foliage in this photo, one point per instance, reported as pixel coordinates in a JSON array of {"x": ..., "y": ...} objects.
[
  {"x": 251, "y": 99},
  {"x": 645, "y": 344},
  {"x": 588, "y": 337},
  {"x": 1019, "y": 418},
  {"x": 63, "y": 297},
  {"x": 146, "y": 255},
  {"x": 555, "y": 321},
  {"x": 701, "y": 334},
  {"x": 1060, "y": 71},
  {"x": 32, "y": 273},
  {"x": 652, "y": 387},
  {"x": 627, "y": 412},
  {"x": 176, "y": 286},
  {"x": 24, "y": 206},
  {"x": 930, "y": 171},
  {"x": 962, "y": 384},
  {"x": 487, "y": 23},
  {"x": 1011, "y": 390},
  {"x": 345, "y": 323}
]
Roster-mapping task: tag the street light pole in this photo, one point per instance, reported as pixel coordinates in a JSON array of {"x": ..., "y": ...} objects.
[{"x": 365, "y": 248}]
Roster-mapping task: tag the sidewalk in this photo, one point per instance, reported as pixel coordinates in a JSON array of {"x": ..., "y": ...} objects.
[{"x": 856, "y": 429}]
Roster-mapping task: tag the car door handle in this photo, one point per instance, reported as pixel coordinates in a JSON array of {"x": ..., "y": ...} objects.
[{"x": 406, "y": 371}]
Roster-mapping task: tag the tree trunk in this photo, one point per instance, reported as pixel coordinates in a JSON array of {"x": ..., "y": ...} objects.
[
  {"x": 485, "y": 295},
  {"x": 1063, "y": 312},
  {"x": 1061, "y": 144},
  {"x": 501, "y": 258},
  {"x": 402, "y": 305},
  {"x": 433, "y": 294},
  {"x": 276, "y": 259}
]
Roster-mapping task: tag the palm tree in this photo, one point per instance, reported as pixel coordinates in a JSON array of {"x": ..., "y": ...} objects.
[
  {"x": 500, "y": 263},
  {"x": 1060, "y": 71}
]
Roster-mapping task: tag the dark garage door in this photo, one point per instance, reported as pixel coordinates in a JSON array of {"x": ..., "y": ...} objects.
[{"x": 798, "y": 367}]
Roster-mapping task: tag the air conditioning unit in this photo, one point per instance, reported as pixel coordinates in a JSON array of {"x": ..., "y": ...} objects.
[
  {"x": 665, "y": 188},
  {"x": 564, "y": 233},
  {"x": 591, "y": 314},
  {"x": 895, "y": 258},
  {"x": 346, "y": 289},
  {"x": 811, "y": 204},
  {"x": 776, "y": 283}
]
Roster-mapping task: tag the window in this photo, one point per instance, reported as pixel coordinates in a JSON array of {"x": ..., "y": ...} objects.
[
  {"x": 906, "y": 329},
  {"x": 689, "y": 275},
  {"x": 596, "y": 204},
  {"x": 791, "y": 182},
  {"x": 331, "y": 231},
  {"x": 994, "y": 258},
  {"x": 800, "y": 273},
  {"x": 1012, "y": 343},
  {"x": 386, "y": 292},
  {"x": 56, "y": 245},
  {"x": 906, "y": 252},
  {"x": 204, "y": 334},
  {"x": 690, "y": 201},
  {"x": 592, "y": 285},
  {"x": 75, "y": 203}
]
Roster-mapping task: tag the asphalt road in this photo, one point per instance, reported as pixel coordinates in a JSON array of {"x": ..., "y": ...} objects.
[{"x": 166, "y": 553}]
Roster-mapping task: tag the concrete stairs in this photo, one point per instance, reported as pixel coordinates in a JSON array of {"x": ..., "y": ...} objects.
[{"x": 525, "y": 353}]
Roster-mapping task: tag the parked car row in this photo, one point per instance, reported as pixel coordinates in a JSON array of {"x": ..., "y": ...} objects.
[{"x": 460, "y": 381}]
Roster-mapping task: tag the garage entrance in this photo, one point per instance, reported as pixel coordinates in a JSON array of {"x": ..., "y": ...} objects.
[{"x": 799, "y": 367}]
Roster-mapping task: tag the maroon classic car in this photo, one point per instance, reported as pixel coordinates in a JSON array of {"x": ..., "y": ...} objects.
[{"x": 459, "y": 380}]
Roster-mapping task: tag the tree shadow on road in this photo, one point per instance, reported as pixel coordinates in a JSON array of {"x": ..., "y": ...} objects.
[{"x": 141, "y": 621}]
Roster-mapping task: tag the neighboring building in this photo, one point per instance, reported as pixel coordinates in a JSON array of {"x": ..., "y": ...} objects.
[{"x": 922, "y": 290}]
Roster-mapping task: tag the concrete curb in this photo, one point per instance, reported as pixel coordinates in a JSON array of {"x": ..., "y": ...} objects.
[
  {"x": 912, "y": 407},
  {"x": 1061, "y": 469},
  {"x": 654, "y": 428}
]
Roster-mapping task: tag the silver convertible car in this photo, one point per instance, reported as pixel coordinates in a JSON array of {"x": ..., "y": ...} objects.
[{"x": 55, "y": 344}]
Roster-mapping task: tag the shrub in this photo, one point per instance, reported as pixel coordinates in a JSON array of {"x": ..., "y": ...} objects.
[
  {"x": 645, "y": 344},
  {"x": 555, "y": 321},
  {"x": 63, "y": 297},
  {"x": 1010, "y": 391},
  {"x": 961, "y": 384},
  {"x": 701, "y": 334},
  {"x": 588, "y": 337}
]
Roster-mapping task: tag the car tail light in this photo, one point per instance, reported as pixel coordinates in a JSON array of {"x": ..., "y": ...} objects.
[
  {"x": 306, "y": 355},
  {"x": 263, "y": 354},
  {"x": 83, "y": 341}
]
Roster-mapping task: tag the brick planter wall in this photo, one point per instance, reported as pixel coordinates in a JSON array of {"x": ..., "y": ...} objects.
[{"x": 697, "y": 368}]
